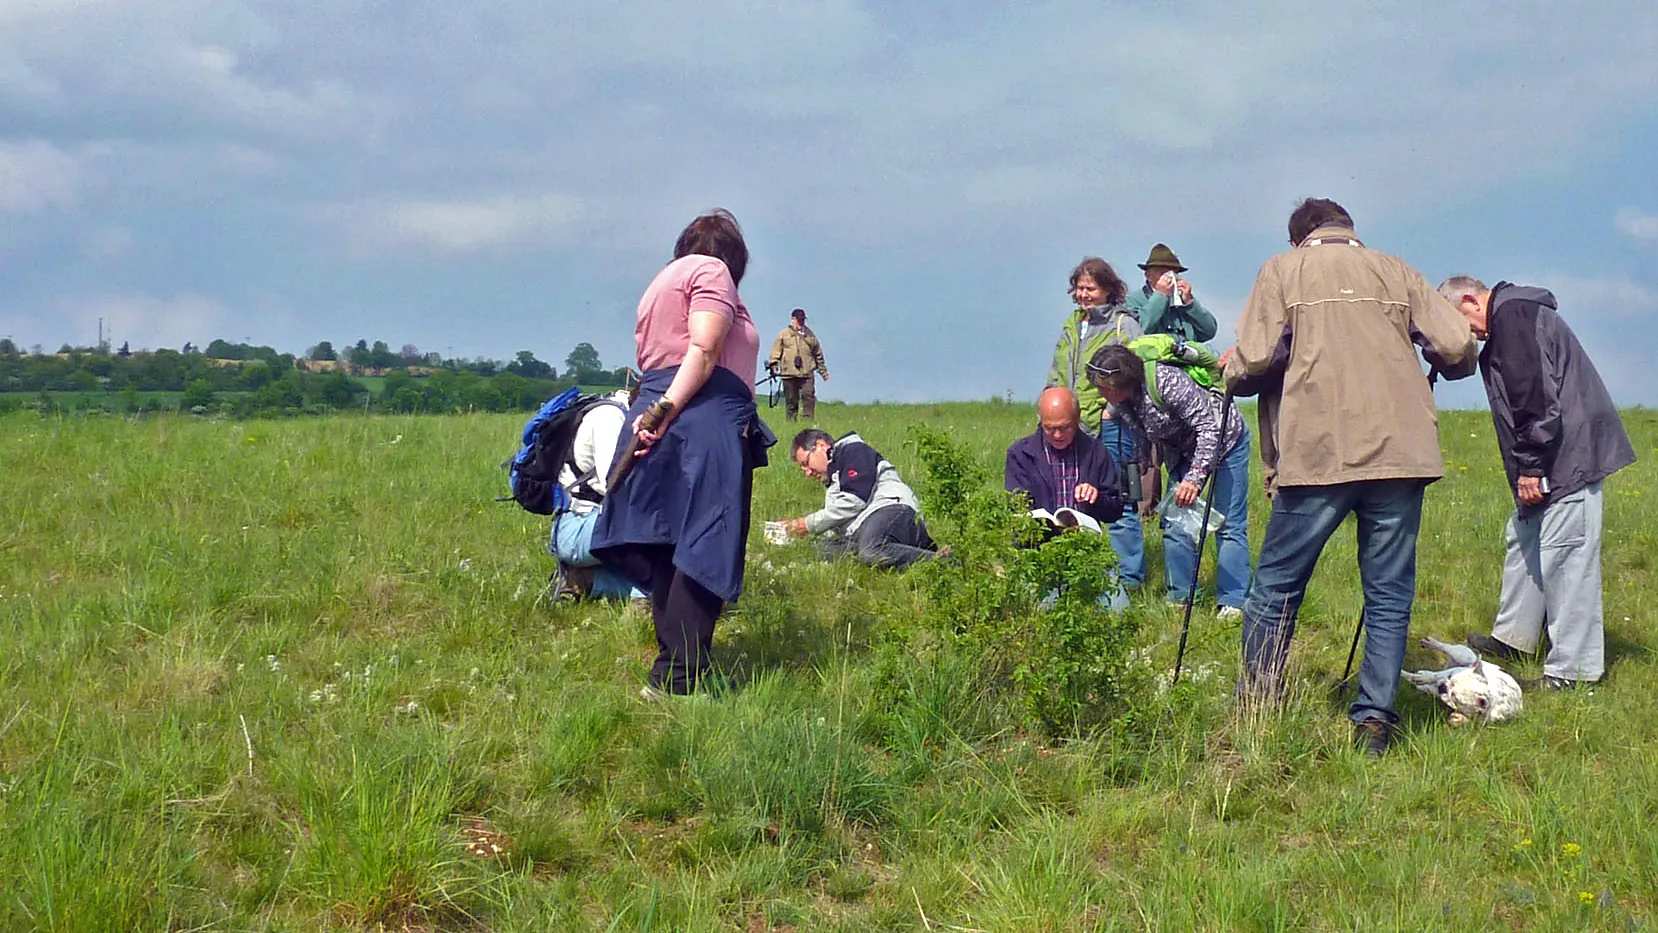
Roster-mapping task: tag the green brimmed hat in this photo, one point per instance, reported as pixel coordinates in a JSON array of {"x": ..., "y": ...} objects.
[{"x": 1162, "y": 258}]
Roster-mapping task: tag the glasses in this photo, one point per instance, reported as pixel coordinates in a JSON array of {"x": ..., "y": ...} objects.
[{"x": 1103, "y": 370}]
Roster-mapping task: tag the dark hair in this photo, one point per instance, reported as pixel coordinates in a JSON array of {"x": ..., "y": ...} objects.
[
  {"x": 1117, "y": 367},
  {"x": 1313, "y": 213},
  {"x": 715, "y": 234},
  {"x": 798, "y": 312},
  {"x": 808, "y": 439},
  {"x": 1100, "y": 271}
]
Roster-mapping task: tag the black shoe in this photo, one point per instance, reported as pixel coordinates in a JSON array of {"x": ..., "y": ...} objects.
[
  {"x": 1494, "y": 647},
  {"x": 1555, "y": 684},
  {"x": 1373, "y": 736}
]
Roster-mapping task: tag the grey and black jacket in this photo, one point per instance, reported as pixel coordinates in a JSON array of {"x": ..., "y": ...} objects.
[
  {"x": 860, "y": 482},
  {"x": 1553, "y": 415}
]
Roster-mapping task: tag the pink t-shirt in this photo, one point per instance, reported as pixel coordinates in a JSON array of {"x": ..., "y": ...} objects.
[{"x": 694, "y": 283}]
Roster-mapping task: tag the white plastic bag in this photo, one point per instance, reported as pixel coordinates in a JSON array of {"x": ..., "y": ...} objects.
[{"x": 1188, "y": 520}]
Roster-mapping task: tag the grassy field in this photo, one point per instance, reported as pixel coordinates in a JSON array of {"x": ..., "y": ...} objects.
[{"x": 302, "y": 675}]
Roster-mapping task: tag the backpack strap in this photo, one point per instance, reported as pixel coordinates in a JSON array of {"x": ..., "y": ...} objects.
[
  {"x": 1152, "y": 391},
  {"x": 582, "y": 488}
]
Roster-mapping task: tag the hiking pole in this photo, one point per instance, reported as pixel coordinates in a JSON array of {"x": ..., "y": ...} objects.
[
  {"x": 1202, "y": 534},
  {"x": 1351, "y": 652},
  {"x": 649, "y": 419}
]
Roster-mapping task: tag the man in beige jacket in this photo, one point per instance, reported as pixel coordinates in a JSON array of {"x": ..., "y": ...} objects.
[
  {"x": 1330, "y": 334},
  {"x": 795, "y": 354}
]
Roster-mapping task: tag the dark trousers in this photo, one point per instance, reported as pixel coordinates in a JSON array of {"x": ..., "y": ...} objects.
[
  {"x": 893, "y": 537},
  {"x": 800, "y": 394},
  {"x": 684, "y": 612}
]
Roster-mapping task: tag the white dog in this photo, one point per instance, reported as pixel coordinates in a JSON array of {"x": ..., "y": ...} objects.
[{"x": 1472, "y": 687}]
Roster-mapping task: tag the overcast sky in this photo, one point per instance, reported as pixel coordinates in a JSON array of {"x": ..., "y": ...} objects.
[{"x": 921, "y": 177}]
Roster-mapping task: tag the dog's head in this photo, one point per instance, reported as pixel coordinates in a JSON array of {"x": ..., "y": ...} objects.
[{"x": 1484, "y": 692}]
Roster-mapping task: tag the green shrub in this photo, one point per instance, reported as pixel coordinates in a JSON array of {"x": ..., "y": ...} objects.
[{"x": 1027, "y": 611}]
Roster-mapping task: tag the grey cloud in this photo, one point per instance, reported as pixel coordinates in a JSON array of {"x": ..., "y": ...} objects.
[
  {"x": 1637, "y": 224},
  {"x": 35, "y": 174}
]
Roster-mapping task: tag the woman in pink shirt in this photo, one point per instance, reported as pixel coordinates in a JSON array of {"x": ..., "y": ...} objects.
[{"x": 677, "y": 523}]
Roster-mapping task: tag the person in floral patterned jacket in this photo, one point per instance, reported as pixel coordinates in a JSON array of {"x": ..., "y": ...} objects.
[{"x": 1184, "y": 420}]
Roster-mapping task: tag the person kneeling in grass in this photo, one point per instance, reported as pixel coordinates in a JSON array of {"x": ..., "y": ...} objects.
[{"x": 868, "y": 512}]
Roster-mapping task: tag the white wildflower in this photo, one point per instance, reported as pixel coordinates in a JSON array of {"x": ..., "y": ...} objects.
[
  {"x": 408, "y": 706},
  {"x": 466, "y": 564},
  {"x": 272, "y": 663}
]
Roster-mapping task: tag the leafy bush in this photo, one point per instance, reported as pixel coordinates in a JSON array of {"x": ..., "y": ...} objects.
[{"x": 1027, "y": 611}]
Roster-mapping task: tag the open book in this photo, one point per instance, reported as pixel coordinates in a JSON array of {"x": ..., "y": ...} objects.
[{"x": 1067, "y": 518}]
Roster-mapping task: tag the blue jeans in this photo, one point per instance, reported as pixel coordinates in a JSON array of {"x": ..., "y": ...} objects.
[
  {"x": 1126, "y": 537},
  {"x": 1389, "y": 515},
  {"x": 1230, "y": 494},
  {"x": 571, "y": 543}
]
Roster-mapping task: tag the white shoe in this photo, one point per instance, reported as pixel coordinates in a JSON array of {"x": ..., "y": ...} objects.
[{"x": 1228, "y": 613}]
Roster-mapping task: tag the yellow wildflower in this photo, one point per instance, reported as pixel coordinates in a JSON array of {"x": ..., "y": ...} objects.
[
  {"x": 1571, "y": 850},
  {"x": 1584, "y": 897}
]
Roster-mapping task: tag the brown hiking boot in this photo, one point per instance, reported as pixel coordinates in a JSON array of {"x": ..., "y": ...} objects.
[{"x": 1373, "y": 736}]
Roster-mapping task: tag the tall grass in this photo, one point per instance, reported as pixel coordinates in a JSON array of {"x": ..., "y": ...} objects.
[{"x": 285, "y": 675}]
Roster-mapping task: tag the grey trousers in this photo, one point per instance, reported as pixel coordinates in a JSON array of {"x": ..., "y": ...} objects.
[{"x": 1551, "y": 577}]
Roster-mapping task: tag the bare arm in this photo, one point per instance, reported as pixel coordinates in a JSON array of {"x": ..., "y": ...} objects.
[{"x": 708, "y": 331}]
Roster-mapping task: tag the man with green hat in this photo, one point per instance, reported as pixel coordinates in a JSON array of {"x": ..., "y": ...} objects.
[{"x": 1165, "y": 304}]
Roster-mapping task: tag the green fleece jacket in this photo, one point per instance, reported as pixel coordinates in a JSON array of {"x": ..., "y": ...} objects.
[
  {"x": 1188, "y": 322},
  {"x": 1086, "y": 332}
]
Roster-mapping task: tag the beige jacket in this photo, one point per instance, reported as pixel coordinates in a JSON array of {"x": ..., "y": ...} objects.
[
  {"x": 797, "y": 354},
  {"x": 1341, "y": 323}
]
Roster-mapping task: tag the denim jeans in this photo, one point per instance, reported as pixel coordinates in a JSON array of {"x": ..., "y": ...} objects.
[
  {"x": 571, "y": 543},
  {"x": 1127, "y": 540},
  {"x": 1389, "y": 515},
  {"x": 1230, "y": 495}
]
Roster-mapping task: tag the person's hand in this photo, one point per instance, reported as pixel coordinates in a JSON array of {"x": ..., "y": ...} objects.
[
  {"x": 1085, "y": 492},
  {"x": 825, "y": 377},
  {"x": 1186, "y": 493},
  {"x": 1165, "y": 284},
  {"x": 795, "y": 527},
  {"x": 1530, "y": 489},
  {"x": 1185, "y": 289},
  {"x": 1226, "y": 356},
  {"x": 649, "y": 436}
]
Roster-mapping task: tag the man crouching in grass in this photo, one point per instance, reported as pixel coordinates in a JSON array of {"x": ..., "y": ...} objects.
[
  {"x": 868, "y": 512},
  {"x": 1559, "y": 435}
]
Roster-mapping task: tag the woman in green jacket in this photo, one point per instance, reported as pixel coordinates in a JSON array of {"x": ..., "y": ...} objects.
[{"x": 1100, "y": 319}]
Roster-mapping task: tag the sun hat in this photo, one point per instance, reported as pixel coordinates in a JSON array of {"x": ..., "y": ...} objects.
[{"x": 1162, "y": 258}]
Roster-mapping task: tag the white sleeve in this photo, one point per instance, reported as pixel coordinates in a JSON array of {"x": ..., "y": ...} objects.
[{"x": 596, "y": 439}]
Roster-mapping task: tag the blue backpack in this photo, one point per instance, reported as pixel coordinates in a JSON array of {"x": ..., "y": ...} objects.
[{"x": 549, "y": 442}]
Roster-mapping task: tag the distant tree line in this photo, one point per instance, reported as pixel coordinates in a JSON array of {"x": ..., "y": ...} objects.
[{"x": 246, "y": 380}]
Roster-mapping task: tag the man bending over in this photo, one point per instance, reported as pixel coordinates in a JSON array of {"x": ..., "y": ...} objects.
[{"x": 868, "y": 512}]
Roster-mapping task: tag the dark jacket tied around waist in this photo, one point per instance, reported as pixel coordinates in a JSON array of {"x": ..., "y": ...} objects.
[{"x": 691, "y": 490}]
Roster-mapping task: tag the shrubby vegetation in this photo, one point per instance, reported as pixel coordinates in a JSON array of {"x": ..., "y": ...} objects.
[
  {"x": 242, "y": 381},
  {"x": 1016, "y": 609}
]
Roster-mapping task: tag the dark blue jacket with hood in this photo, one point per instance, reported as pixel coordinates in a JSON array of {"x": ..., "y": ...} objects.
[{"x": 1553, "y": 414}]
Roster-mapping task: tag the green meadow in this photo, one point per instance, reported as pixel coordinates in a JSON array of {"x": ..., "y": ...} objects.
[{"x": 304, "y": 675}]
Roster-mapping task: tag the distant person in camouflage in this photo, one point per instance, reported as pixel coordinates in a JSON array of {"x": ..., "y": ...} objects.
[{"x": 795, "y": 354}]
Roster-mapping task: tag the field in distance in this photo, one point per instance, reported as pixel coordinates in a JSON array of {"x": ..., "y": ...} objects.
[{"x": 304, "y": 675}]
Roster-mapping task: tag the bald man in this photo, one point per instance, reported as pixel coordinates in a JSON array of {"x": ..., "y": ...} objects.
[{"x": 1060, "y": 467}]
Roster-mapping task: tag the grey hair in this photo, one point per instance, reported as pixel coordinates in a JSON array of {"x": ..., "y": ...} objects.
[{"x": 1456, "y": 286}]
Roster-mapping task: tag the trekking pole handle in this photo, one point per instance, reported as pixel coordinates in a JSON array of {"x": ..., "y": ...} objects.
[{"x": 649, "y": 420}]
